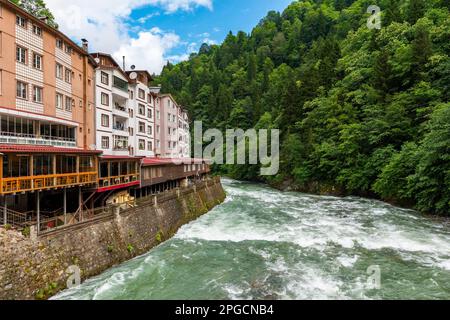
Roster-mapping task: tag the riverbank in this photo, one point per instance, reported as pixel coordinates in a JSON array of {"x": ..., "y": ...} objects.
[{"x": 37, "y": 268}]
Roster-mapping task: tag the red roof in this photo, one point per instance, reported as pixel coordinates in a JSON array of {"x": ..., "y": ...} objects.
[
  {"x": 166, "y": 161},
  {"x": 108, "y": 157},
  {"x": 10, "y": 148}
]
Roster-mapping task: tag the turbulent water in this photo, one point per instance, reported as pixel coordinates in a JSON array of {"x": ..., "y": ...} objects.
[{"x": 265, "y": 244}]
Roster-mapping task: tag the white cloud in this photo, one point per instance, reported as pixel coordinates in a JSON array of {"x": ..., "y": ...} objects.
[{"x": 106, "y": 24}]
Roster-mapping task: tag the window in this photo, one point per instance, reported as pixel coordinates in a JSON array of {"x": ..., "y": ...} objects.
[
  {"x": 59, "y": 71},
  {"x": 158, "y": 115},
  {"x": 105, "y": 78},
  {"x": 37, "y": 30},
  {"x": 141, "y": 94},
  {"x": 141, "y": 109},
  {"x": 69, "y": 104},
  {"x": 68, "y": 75},
  {"x": 131, "y": 94},
  {"x": 21, "y": 21},
  {"x": 149, "y": 130},
  {"x": 131, "y": 131},
  {"x": 37, "y": 94},
  {"x": 131, "y": 113},
  {"x": 141, "y": 127},
  {"x": 105, "y": 120},
  {"x": 59, "y": 101},
  {"x": 149, "y": 113},
  {"x": 22, "y": 90},
  {"x": 37, "y": 61},
  {"x": 149, "y": 98},
  {"x": 59, "y": 43},
  {"x": 157, "y": 129},
  {"x": 21, "y": 55},
  {"x": 170, "y": 131},
  {"x": 141, "y": 144},
  {"x": 149, "y": 145},
  {"x": 105, "y": 99},
  {"x": 158, "y": 143},
  {"x": 69, "y": 49},
  {"x": 105, "y": 142}
]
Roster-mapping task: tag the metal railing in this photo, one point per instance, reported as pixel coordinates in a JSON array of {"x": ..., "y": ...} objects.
[
  {"x": 118, "y": 180},
  {"x": 33, "y": 183},
  {"x": 13, "y": 218},
  {"x": 23, "y": 138}
]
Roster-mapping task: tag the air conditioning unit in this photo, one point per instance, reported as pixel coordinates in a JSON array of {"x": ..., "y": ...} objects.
[
  {"x": 106, "y": 183},
  {"x": 127, "y": 180}
]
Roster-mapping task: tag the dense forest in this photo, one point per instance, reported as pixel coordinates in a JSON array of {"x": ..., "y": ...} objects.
[{"x": 361, "y": 111}]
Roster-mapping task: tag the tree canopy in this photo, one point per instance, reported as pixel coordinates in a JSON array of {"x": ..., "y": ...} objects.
[{"x": 361, "y": 110}]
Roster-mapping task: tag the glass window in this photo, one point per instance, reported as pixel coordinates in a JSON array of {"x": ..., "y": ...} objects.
[
  {"x": 59, "y": 101},
  {"x": 105, "y": 142},
  {"x": 141, "y": 144},
  {"x": 21, "y": 21},
  {"x": 21, "y": 55},
  {"x": 37, "y": 61},
  {"x": 105, "y": 120},
  {"x": 105, "y": 99},
  {"x": 37, "y": 94},
  {"x": 22, "y": 90},
  {"x": 37, "y": 30},
  {"x": 105, "y": 78},
  {"x": 69, "y": 104},
  {"x": 59, "y": 71}
]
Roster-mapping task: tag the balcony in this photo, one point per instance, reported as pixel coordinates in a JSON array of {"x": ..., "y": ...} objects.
[
  {"x": 33, "y": 183},
  {"x": 120, "y": 127},
  {"x": 120, "y": 84},
  {"x": 31, "y": 139}
]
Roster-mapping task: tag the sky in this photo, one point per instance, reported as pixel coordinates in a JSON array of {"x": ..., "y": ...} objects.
[{"x": 151, "y": 32}]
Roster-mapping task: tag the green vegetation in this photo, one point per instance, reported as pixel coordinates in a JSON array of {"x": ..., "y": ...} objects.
[
  {"x": 159, "y": 236},
  {"x": 130, "y": 248},
  {"x": 37, "y": 8},
  {"x": 361, "y": 110},
  {"x": 26, "y": 232}
]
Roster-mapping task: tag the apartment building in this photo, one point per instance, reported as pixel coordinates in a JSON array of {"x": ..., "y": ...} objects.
[
  {"x": 47, "y": 107},
  {"x": 141, "y": 113},
  {"x": 174, "y": 133}
]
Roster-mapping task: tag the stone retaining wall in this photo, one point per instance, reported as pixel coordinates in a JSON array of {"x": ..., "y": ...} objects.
[{"x": 38, "y": 268}]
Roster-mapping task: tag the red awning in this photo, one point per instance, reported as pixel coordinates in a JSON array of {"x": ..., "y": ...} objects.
[
  {"x": 108, "y": 157},
  {"x": 19, "y": 148},
  {"x": 168, "y": 161}
]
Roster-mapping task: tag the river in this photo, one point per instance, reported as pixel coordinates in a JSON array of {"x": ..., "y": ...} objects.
[{"x": 266, "y": 244}]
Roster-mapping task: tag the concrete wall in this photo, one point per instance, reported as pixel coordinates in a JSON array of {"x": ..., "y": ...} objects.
[{"x": 37, "y": 269}]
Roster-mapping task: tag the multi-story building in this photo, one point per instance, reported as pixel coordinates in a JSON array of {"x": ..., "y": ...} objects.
[
  {"x": 76, "y": 130},
  {"x": 142, "y": 114},
  {"x": 47, "y": 109},
  {"x": 174, "y": 133}
]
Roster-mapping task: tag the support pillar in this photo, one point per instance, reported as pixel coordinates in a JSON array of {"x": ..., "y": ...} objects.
[
  {"x": 65, "y": 205},
  {"x": 5, "y": 211},
  {"x": 80, "y": 200},
  {"x": 38, "y": 210}
]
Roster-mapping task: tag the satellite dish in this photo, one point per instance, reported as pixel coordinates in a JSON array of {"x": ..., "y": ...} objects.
[
  {"x": 97, "y": 60},
  {"x": 133, "y": 67},
  {"x": 133, "y": 76}
]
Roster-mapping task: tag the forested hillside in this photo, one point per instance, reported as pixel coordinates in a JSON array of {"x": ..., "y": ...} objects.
[{"x": 361, "y": 110}]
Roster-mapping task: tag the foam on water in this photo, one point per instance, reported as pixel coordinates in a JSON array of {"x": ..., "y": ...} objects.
[{"x": 264, "y": 244}]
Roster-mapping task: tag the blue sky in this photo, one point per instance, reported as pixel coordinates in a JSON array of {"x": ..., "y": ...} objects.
[
  {"x": 150, "y": 32},
  {"x": 204, "y": 25}
]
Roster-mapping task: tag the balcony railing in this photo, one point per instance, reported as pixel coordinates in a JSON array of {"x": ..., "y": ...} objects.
[
  {"x": 120, "y": 84},
  {"x": 118, "y": 107},
  {"x": 22, "y": 138},
  {"x": 117, "y": 181},
  {"x": 35, "y": 183},
  {"x": 120, "y": 127}
]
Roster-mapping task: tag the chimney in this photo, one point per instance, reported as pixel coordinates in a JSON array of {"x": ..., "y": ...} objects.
[
  {"x": 85, "y": 45},
  {"x": 44, "y": 19}
]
